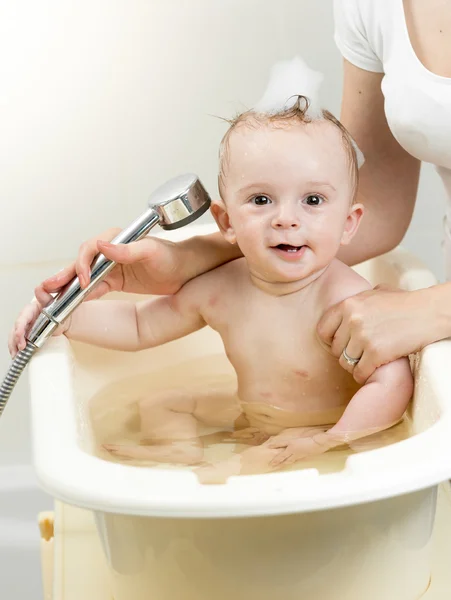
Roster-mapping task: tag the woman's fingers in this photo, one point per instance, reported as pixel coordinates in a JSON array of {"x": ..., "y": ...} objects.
[
  {"x": 329, "y": 323},
  {"x": 43, "y": 297},
  {"x": 124, "y": 253},
  {"x": 354, "y": 351},
  {"x": 381, "y": 325},
  {"x": 354, "y": 348},
  {"x": 344, "y": 327},
  {"x": 87, "y": 253},
  {"x": 147, "y": 266},
  {"x": 147, "y": 248},
  {"x": 366, "y": 366},
  {"x": 340, "y": 340},
  {"x": 81, "y": 267},
  {"x": 57, "y": 281},
  {"x": 348, "y": 324}
]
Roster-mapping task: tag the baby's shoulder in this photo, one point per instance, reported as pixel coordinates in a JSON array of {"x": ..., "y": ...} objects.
[
  {"x": 342, "y": 282},
  {"x": 230, "y": 273},
  {"x": 224, "y": 279}
]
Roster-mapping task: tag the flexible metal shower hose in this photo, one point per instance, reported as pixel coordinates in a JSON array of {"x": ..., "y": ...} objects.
[{"x": 18, "y": 364}]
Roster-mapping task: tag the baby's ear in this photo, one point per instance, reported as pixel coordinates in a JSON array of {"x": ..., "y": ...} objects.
[
  {"x": 221, "y": 216},
  {"x": 352, "y": 223}
]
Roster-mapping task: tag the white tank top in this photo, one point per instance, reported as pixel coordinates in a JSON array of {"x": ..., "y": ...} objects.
[{"x": 373, "y": 35}]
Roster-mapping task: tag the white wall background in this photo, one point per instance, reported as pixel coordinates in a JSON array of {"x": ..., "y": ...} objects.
[{"x": 103, "y": 100}]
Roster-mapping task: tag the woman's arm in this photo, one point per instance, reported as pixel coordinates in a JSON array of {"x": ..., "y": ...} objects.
[
  {"x": 388, "y": 179},
  {"x": 149, "y": 266},
  {"x": 380, "y": 326}
]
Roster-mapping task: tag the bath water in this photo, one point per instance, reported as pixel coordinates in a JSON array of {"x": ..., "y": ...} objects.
[{"x": 114, "y": 416}]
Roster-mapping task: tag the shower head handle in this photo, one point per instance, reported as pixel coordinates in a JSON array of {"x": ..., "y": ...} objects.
[{"x": 176, "y": 203}]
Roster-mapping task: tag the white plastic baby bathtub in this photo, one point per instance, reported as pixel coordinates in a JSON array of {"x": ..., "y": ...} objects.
[{"x": 361, "y": 532}]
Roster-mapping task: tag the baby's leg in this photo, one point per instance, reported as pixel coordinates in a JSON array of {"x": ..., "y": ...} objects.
[
  {"x": 250, "y": 435},
  {"x": 251, "y": 461},
  {"x": 259, "y": 460},
  {"x": 169, "y": 430},
  {"x": 168, "y": 416}
]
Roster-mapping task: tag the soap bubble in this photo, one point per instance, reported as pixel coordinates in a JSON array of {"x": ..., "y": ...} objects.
[{"x": 288, "y": 80}]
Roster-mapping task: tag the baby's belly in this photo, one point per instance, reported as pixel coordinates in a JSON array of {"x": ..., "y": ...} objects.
[
  {"x": 295, "y": 397},
  {"x": 272, "y": 419}
]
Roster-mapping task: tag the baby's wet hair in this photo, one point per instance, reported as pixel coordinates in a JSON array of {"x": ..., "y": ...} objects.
[{"x": 297, "y": 113}]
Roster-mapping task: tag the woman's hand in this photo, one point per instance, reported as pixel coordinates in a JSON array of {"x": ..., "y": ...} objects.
[
  {"x": 148, "y": 266},
  {"x": 382, "y": 325}
]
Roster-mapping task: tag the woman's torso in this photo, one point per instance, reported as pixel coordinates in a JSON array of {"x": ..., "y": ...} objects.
[{"x": 410, "y": 42}]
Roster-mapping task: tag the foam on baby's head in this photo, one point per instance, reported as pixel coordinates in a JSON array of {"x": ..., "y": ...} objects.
[
  {"x": 288, "y": 80},
  {"x": 291, "y": 97}
]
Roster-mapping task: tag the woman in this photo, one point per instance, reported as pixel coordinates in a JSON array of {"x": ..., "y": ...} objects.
[{"x": 397, "y": 106}]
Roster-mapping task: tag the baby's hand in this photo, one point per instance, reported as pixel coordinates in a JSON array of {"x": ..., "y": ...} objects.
[
  {"x": 294, "y": 449},
  {"x": 250, "y": 435},
  {"x": 22, "y": 326}
]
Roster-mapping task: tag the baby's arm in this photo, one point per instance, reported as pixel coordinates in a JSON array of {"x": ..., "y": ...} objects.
[
  {"x": 124, "y": 325},
  {"x": 377, "y": 405}
]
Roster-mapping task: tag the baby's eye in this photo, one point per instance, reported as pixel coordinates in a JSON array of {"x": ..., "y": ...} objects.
[
  {"x": 314, "y": 200},
  {"x": 261, "y": 200}
]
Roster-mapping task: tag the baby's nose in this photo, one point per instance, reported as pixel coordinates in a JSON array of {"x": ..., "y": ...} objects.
[{"x": 286, "y": 218}]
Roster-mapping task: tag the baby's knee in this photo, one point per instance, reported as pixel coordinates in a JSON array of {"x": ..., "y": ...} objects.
[
  {"x": 189, "y": 454},
  {"x": 149, "y": 407},
  {"x": 177, "y": 403}
]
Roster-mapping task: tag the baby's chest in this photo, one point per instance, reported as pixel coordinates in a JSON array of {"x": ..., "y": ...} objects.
[
  {"x": 279, "y": 360},
  {"x": 276, "y": 343}
]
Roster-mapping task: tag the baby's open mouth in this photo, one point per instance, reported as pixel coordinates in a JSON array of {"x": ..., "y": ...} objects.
[{"x": 287, "y": 248}]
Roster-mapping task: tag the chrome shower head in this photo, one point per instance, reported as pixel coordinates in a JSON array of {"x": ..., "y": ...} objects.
[{"x": 179, "y": 201}]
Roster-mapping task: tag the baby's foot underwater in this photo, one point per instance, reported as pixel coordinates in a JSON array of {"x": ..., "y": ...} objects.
[{"x": 174, "y": 452}]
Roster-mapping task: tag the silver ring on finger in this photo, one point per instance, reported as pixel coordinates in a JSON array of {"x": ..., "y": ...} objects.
[{"x": 351, "y": 361}]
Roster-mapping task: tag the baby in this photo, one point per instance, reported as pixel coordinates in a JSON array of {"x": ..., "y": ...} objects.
[{"x": 287, "y": 185}]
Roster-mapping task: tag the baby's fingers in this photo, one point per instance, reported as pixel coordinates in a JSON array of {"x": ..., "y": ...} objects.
[
  {"x": 12, "y": 346},
  {"x": 16, "y": 340},
  {"x": 22, "y": 326},
  {"x": 276, "y": 444},
  {"x": 243, "y": 434},
  {"x": 282, "y": 458}
]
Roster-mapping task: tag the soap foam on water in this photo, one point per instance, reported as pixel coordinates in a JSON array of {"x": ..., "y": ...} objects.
[{"x": 114, "y": 417}]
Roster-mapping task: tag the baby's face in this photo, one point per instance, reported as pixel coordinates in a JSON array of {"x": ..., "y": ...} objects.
[{"x": 287, "y": 198}]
